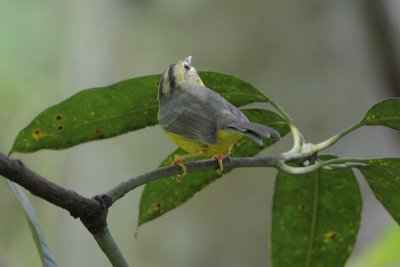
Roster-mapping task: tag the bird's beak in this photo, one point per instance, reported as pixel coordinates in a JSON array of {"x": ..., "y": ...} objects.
[{"x": 189, "y": 60}]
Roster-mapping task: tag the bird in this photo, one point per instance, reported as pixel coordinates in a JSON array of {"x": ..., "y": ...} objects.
[{"x": 199, "y": 120}]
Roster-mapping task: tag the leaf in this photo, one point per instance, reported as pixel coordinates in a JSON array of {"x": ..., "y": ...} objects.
[
  {"x": 113, "y": 110},
  {"x": 383, "y": 176},
  {"x": 385, "y": 113},
  {"x": 315, "y": 218},
  {"x": 166, "y": 194},
  {"x": 238, "y": 92},
  {"x": 383, "y": 251},
  {"x": 34, "y": 225}
]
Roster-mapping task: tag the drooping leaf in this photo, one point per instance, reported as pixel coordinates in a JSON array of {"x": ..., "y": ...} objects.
[
  {"x": 166, "y": 194},
  {"x": 315, "y": 218},
  {"x": 113, "y": 110},
  {"x": 34, "y": 225},
  {"x": 383, "y": 176},
  {"x": 385, "y": 113}
]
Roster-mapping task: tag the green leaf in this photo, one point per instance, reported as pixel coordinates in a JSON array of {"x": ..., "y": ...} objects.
[
  {"x": 383, "y": 176},
  {"x": 34, "y": 225},
  {"x": 315, "y": 218},
  {"x": 238, "y": 92},
  {"x": 166, "y": 194},
  {"x": 385, "y": 113},
  {"x": 382, "y": 251},
  {"x": 113, "y": 110}
]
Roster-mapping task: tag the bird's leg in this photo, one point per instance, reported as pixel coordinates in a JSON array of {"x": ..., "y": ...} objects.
[
  {"x": 218, "y": 158},
  {"x": 178, "y": 160},
  {"x": 229, "y": 151}
]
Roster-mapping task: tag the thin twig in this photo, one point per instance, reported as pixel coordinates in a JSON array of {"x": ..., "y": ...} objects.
[
  {"x": 228, "y": 163},
  {"x": 110, "y": 248}
]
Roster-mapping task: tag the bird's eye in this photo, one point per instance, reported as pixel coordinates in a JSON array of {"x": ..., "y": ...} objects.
[{"x": 187, "y": 67}]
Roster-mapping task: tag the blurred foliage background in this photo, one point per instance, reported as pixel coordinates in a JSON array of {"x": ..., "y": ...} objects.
[{"x": 325, "y": 62}]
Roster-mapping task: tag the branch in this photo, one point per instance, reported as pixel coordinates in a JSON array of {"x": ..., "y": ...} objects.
[
  {"x": 69, "y": 200},
  {"x": 91, "y": 211},
  {"x": 277, "y": 162},
  {"x": 110, "y": 248},
  {"x": 383, "y": 26},
  {"x": 228, "y": 163}
]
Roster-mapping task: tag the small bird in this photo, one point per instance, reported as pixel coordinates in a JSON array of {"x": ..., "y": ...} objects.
[{"x": 200, "y": 121}]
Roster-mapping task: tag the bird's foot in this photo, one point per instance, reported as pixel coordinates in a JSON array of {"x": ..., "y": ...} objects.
[
  {"x": 218, "y": 158},
  {"x": 178, "y": 162}
]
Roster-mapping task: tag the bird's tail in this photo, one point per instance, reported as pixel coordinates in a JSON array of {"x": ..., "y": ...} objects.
[{"x": 254, "y": 130}]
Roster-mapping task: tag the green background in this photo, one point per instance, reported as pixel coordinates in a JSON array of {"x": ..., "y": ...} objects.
[{"x": 316, "y": 59}]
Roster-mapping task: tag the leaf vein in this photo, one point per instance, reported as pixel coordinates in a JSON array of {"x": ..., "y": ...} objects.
[{"x": 313, "y": 219}]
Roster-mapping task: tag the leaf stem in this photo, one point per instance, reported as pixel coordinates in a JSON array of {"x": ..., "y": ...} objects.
[
  {"x": 313, "y": 225},
  {"x": 331, "y": 141},
  {"x": 298, "y": 139},
  {"x": 312, "y": 149},
  {"x": 303, "y": 170}
]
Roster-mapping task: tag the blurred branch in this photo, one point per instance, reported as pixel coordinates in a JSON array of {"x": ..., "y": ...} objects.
[
  {"x": 92, "y": 212},
  {"x": 383, "y": 30}
]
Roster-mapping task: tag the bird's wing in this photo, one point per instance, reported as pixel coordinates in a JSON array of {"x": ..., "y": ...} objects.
[
  {"x": 191, "y": 121},
  {"x": 217, "y": 104},
  {"x": 231, "y": 118}
]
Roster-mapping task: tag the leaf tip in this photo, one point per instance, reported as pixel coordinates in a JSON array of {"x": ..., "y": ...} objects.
[
  {"x": 140, "y": 222},
  {"x": 12, "y": 150}
]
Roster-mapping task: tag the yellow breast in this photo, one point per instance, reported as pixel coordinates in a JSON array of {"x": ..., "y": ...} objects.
[{"x": 225, "y": 140}]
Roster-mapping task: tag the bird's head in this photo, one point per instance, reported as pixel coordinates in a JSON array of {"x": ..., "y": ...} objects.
[{"x": 178, "y": 77}]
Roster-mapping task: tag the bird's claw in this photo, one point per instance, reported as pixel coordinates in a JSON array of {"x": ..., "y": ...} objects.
[
  {"x": 220, "y": 165},
  {"x": 178, "y": 162}
]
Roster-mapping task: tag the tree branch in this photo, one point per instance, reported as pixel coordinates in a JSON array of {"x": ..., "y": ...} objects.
[
  {"x": 69, "y": 200},
  {"x": 110, "y": 248},
  {"x": 384, "y": 30},
  {"x": 91, "y": 211},
  {"x": 229, "y": 163},
  {"x": 120, "y": 190}
]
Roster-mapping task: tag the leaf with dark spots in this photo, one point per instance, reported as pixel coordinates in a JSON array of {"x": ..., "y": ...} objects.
[
  {"x": 383, "y": 176},
  {"x": 315, "y": 218},
  {"x": 113, "y": 110},
  {"x": 385, "y": 113}
]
